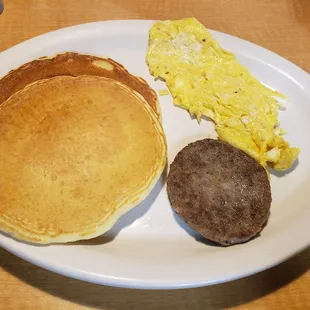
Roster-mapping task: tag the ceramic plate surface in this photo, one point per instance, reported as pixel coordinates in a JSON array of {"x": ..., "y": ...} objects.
[{"x": 150, "y": 247}]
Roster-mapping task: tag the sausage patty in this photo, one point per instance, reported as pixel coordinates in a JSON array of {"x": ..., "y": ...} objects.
[{"x": 219, "y": 191}]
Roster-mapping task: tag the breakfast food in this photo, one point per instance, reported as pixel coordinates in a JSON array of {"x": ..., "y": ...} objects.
[
  {"x": 74, "y": 64},
  {"x": 207, "y": 80},
  {"x": 220, "y": 191},
  {"x": 75, "y": 154}
]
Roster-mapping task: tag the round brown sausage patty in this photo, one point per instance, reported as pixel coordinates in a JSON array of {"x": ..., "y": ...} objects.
[{"x": 220, "y": 191}]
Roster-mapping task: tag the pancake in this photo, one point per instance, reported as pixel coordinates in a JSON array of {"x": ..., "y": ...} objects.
[
  {"x": 74, "y": 64},
  {"x": 75, "y": 154},
  {"x": 220, "y": 191}
]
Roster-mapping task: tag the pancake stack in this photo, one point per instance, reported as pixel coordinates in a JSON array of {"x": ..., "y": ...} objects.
[{"x": 81, "y": 144}]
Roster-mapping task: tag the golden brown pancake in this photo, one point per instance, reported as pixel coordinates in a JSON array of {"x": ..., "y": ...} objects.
[
  {"x": 74, "y": 64},
  {"x": 75, "y": 154}
]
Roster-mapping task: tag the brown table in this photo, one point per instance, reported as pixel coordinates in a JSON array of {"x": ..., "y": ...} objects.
[{"x": 282, "y": 26}]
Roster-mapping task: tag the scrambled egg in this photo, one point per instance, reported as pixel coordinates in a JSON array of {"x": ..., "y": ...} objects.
[
  {"x": 164, "y": 92},
  {"x": 207, "y": 80}
]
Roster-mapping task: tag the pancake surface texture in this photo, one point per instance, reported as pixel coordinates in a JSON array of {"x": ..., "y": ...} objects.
[
  {"x": 220, "y": 191},
  {"x": 75, "y": 154},
  {"x": 74, "y": 64}
]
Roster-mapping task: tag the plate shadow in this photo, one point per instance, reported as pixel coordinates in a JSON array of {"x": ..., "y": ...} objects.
[
  {"x": 220, "y": 296},
  {"x": 281, "y": 174},
  {"x": 197, "y": 236}
]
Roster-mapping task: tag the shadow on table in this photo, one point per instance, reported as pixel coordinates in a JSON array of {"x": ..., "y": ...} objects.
[
  {"x": 218, "y": 296},
  {"x": 302, "y": 11}
]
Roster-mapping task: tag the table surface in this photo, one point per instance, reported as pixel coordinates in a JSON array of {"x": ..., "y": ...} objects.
[{"x": 282, "y": 26}]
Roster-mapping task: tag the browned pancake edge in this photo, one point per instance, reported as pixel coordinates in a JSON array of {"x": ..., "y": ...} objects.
[{"x": 74, "y": 64}]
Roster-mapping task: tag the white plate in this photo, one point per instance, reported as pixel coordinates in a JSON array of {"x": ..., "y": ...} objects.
[{"x": 150, "y": 247}]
